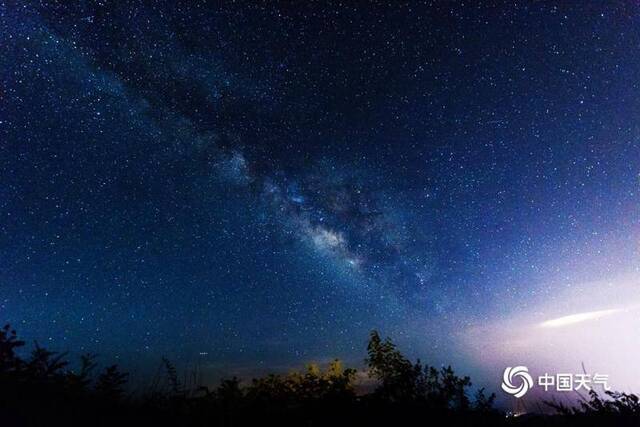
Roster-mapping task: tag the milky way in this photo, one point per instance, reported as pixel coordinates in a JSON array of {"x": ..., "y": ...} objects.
[{"x": 255, "y": 187}]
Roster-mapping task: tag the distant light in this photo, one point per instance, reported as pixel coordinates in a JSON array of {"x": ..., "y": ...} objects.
[{"x": 577, "y": 318}]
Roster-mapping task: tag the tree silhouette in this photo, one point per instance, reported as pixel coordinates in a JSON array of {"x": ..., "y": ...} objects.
[
  {"x": 9, "y": 343},
  {"x": 110, "y": 383},
  {"x": 399, "y": 378},
  {"x": 402, "y": 381}
]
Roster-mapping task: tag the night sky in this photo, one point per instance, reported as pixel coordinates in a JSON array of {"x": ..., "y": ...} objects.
[{"x": 255, "y": 187}]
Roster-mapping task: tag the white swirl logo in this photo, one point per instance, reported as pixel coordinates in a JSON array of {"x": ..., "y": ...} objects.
[{"x": 526, "y": 382}]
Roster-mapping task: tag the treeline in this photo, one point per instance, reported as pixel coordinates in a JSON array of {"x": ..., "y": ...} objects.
[{"x": 41, "y": 390}]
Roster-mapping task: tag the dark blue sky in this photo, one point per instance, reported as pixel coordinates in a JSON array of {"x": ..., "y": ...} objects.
[{"x": 267, "y": 184}]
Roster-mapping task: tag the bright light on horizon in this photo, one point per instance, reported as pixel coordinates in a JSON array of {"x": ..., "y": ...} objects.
[{"x": 589, "y": 326}]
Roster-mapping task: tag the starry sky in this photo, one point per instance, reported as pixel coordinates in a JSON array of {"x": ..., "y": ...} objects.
[{"x": 252, "y": 187}]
